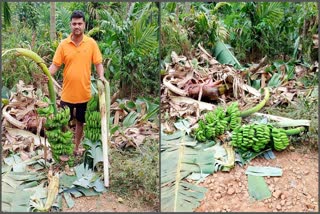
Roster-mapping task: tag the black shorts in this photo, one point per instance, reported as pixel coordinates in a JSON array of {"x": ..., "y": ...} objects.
[{"x": 80, "y": 110}]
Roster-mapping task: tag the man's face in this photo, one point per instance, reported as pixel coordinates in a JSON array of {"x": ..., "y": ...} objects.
[{"x": 77, "y": 26}]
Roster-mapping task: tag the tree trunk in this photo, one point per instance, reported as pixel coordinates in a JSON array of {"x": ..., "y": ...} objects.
[
  {"x": 52, "y": 21},
  {"x": 187, "y": 7}
]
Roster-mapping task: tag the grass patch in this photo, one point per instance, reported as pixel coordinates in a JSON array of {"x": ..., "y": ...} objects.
[{"x": 134, "y": 173}]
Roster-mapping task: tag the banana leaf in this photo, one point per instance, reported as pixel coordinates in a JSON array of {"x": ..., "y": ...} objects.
[
  {"x": 177, "y": 162},
  {"x": 14, "y": 197},
  {"x": 225, "y": 56},
  {"x": 130, "y": 119},
  {"x": 263, "y": 171},
  {"x": 258, "y": 188}
]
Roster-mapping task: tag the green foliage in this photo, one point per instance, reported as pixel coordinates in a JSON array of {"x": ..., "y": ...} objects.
[
  {"x": 131, "y": 42},
  {"x": 29, "y": 14},
  {"x": 270, "y": 28},
  {"x": 6, "y": 14},
  {"x": 188, "y": 27}
]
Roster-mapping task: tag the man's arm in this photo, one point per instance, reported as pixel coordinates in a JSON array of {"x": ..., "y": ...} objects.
[
  {"x": 100, "y": 72},
  {"x": 53, "y": 69}
]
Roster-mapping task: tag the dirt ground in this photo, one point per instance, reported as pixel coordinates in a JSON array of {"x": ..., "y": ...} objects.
[
  {"x": 107, "y": 202},
  {"x": 296, "y": 190}
]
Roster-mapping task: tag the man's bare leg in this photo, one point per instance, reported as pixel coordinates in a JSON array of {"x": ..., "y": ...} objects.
[{"x": 78, "y": 136}]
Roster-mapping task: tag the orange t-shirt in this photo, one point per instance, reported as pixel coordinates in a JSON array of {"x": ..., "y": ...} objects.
[{"x": 76, "y": 87}]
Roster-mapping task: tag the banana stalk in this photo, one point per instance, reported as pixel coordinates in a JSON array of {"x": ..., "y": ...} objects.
[
  {"x": 108, "y": 103},
  {"x": 257, "y": 107},
  {"x": 37, "y": 59},
  {"x": 294, "y": 131},
  {"x": 104, "y": 128}
]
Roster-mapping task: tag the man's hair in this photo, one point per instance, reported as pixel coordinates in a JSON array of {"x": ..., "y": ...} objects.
[{"x": 77, "y": 14}]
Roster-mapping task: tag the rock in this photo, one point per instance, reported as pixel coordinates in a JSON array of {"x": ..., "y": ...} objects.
[
  {"x": 240, "y": 184},
  {"x": 231, "y": 191},
  {"x": 120, "y": 200},
  {"x": 282, "y": 202},
  {"x": 217, "y": 190},
  {"x": 225, "y": 207},
  {"x": 306, "y": 172},
  {"x": 217, "y": 196},
  {"x": 238, "y": 190},
  {"x": 276, "y": 193},
  {"x": 278, "y": 207},
  {"x": 291, "y": 148},
  {"x": 270, "y": 206},
  {"x": 212, "y": 180},
  {"x": 289, "y": 203},
  {"x": 212, "y": 188},
  {"x": 283, "y": 196}
]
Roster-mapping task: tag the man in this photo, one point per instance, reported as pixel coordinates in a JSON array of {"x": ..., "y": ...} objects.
[{"x": 77, "y": 53}]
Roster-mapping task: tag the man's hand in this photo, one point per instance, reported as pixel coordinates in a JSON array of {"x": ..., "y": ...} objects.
[{"x": 103, "y": 79}]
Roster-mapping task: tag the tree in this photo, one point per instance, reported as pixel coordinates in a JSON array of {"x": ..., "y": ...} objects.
[{"x": 52, "y": 21}]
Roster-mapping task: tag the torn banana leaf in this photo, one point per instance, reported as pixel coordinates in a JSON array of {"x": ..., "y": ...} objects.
[
  {"x": 177, "y": 162},
  {"x": 14, "y": 197},
  {"x": 258, "y": 188},
  {"x": 263, "y": 171},
  {"x": 182, "y": 197}
]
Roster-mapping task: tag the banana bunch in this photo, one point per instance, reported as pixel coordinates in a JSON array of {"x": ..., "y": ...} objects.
[
  {"x": 233, "y": 112},
  {"x": 60, "y": 119},
  {"x": 93, "y": 104},
  {"x": 93, "y": 119},
  {"x": 280, "y": 139},
  {"x": 57, "y": 136},
  {"x": 59, "y": 139},
  {"x": 258, "y": 137},
  {"x": 255, "y": 137},
  {"x": 94, "y": 134},
  {"x": 214, "y": 124},
  {"x": 45, "y": 111},
  {"x": 201, "y": 132},
  {"x": 92, "y": 128}
]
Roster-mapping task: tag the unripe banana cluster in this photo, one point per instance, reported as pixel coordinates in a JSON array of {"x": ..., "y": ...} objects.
[
  {"x": 217, "y": 122},
  {"x": 92, "y": 128},
  {"x": 59, "y": 137},
  {"x": 60, "y": 119},
  {"x": 233, "y": 112},
  {"x": 280, "y": 139},
  {"x": 258, "y": 137}
]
